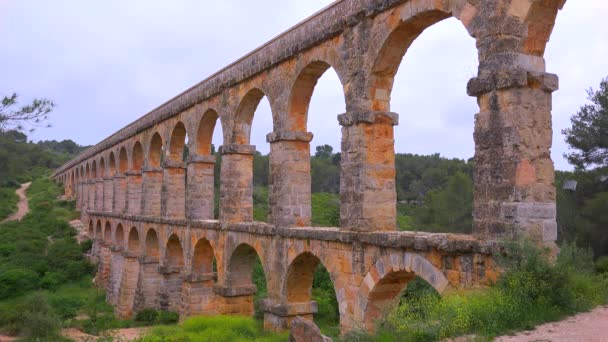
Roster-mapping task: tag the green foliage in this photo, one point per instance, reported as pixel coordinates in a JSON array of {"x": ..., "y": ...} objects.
[
  {"x": 152, "y": 317},
  {"x": 215, "y": 328},
  {"x": 33, "y": 114},
  {"x": 532, "y": 291},
  {"x": 260, "y": 204},
  {"x": 8, "y": 202},
  {"x": 601, "y": 264},
  {"x": 589, "y": 130},
  {"x": 22, "y": 161},
  {"x": 325, "y": 210},
  {"x": 327, "y": 316}
]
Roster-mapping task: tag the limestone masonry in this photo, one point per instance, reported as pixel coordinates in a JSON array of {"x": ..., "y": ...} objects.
[{"x": 151, "y": 214}]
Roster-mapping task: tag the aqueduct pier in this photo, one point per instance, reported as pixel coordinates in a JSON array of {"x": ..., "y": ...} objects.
[{"x": 151, "y": 213}]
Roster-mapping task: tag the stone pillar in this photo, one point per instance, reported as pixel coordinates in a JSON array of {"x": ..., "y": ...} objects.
[
  {"x": 108, "y": 194},
  {"x": 105, "y": 265},
  {"x": 85, "y": 196},
  {"x": 170, "y": 290},
  {"x": 134, "y": 188},
  {"x": 151, "y": 191},
  {"x": 514, "y": 191},
  {"x": 368, "y": 197},
  {"x": 173, "y": 200},
  {"x": 99, "y": 194},
  {"x": 149, "y": 283},
  {"x": 91, "y": 205},
  {"x": 236, "y": 188},
  {"x": 236, "y": 300},
  {"x": 115, "y": 275},
  {"x": 289, "y": 184},
  {"x": 200, "y": 194},
  {"x": 198, "y": 297},
  {"x": 278, "y": 317},
  {"x": 120, "y": 194},
  {"x": 128, "y": 286},
  {"x": 78, "y": 196}
]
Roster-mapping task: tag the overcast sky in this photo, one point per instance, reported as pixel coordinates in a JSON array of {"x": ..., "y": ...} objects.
[{"x": 106, "y": 63}]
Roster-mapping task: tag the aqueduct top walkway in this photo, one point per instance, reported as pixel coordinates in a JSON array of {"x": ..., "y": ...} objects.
[{"x": 152, "y": 213}]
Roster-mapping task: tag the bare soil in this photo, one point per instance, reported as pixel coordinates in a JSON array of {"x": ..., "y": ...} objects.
[{"x": 22, "y": 207}]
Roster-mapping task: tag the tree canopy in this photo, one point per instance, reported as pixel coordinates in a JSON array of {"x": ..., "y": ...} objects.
[
  {"x": 34, "y": 114},
  {"x": 588, "y": 135}
]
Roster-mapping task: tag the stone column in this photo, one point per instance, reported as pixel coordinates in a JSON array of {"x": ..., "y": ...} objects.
[
  {"x": 289, "y": 183},
  {"x": 200, "y": 194},
  {"x": 170, "y": 290},
  {"x": 105, "y": 265},
  {"x": 120, "y": 194},
  {"x": 198, "y": 297},
  {"x": 108, "y": 194},
  {"x": 99, "y": 194},
  {"x": 91, "y": 205},
  {"x": 236, "y": 188},
  {"x": 235, "y": 300},
  {"x": 368, "y": 197},
  {"x": 173, "y": 200},
  {"x": 85, "y": 196},
  {"x": 151, "y": 193},
  {"x": 149, "y": 283},
  {"x": 278, "y": 317},
  {"x": 134, "y": 188},
  {"x": 514, "y": 191},
  {"x": 78, "y": 196},
  {"x": 115, "y": 275},
  {"x": 128, "y": 286}
]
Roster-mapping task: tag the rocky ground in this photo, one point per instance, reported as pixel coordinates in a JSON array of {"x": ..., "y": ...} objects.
[{"x": 22, "y": 207}]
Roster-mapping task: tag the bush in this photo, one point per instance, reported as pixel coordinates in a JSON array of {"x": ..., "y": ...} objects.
[
  {"x": 168, "y": 317},
  {"x": 147, "y": 316},
  {"x": 601, "y": 265},
  {"x": 39, "y": 321}
]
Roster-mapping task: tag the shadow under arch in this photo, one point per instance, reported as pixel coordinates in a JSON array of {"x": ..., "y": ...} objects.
[
  {"x": 172, "y": 271},
  {"x": 152, "y": 245},
  {"x": 119, "y": 236},
  {"x": 246, "y": 276},
  {"x": 133, "y": 244},
  {"x": 107, "y": 233},
  {"x": 305, "y": 272}
]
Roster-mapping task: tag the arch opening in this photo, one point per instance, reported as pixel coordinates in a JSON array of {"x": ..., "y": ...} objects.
[
  {"x": 155, "y": 151},
  {"x": 174, "y": 257},
  {"x": 152, "y": 244},
  {"x": 203, "y": 259},
  {"x": 112, "y": 165},
  {"x": 133, "y": 244},
  {"x": 244, "y": 270},
  {"x": 120, "y": 236},
  {"x": 107, "y": 234},
  {"x": 177, "y": 144},
  {"x": 102, "y": 168},
  {"x": 98, "y": 232},
  {"x": 123, "y": 161},
  {"x": 433, "y": 176},
  {"x": 91, "y": 230},
  {"x": 137, "y": 157}
]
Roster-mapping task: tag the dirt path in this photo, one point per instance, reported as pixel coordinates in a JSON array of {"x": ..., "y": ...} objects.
[
  {"x": 585, "y": 327},
  {"x": 22, "y": 207}
]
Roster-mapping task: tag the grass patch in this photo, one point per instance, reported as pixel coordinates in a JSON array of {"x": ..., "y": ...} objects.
[
  {"x": 8, "y": 202},
  {"x": 215, "y": 328}
]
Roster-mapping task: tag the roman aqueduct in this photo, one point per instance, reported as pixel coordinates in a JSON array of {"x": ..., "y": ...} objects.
[{"x": 151, "y": 214}]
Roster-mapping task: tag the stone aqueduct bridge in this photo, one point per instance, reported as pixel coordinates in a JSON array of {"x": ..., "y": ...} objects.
[{"x": 151, "y": 214}]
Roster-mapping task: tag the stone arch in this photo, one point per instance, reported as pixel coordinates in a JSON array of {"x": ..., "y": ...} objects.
[
  {"x": 133, "y": 244},
  {"x": 107, "y": 233},
  {"x": 102, "y": 167},
  {"x": 395, "y": 43},
  {"x": 98, "y": 231},
  {"x": 87, "y": 172},
  {"x": 137, "y": 156},
  {"x": 174, "y": 253},
  {"x": 155, "y": 150},
  {"x": 540, "y": 19},
  {"x": 94, "y": 169},
  {"x": 112, "y": 164},
  {"x": 204, "y": 132},
  {"x": 202, "y": 257},
  {"x": 123, "y": 161},
  {"x": 239, "y": 271},
  {"x": 119, "y": 236},
  {"x": 388, "y": 277},
  {"x": 152, "y": 244},
  {"x": 177, "y": 142},
  {"x": 244, "y": 116},
  {"x": 301, "y": 94},
  {"x": 91, "y": 230}
]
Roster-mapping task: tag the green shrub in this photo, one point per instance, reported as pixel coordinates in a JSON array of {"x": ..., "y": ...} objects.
[
  {"x": 168, "y": 317},
  {"x": 147, "y": 316},
  {"x": 39, "y": 321},
  {"x": 14, "y": 282},
  {"x": 8, "y": 202},
  {"x": 601, "y": 264}
]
